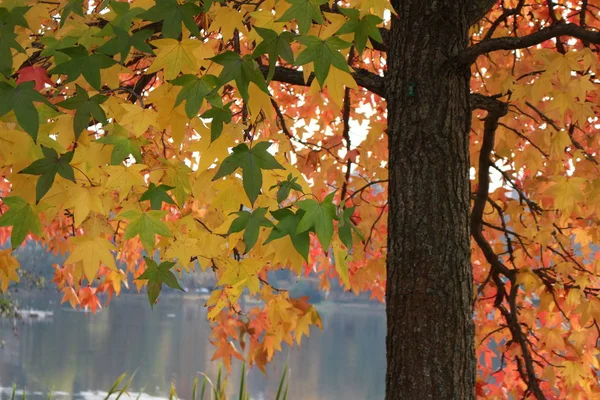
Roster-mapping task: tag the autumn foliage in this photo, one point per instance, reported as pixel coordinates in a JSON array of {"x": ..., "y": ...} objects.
[{"x": 241, "y": 137}]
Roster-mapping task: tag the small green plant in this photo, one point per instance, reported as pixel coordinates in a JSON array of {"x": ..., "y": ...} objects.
[{"x": 216, "y": 391}]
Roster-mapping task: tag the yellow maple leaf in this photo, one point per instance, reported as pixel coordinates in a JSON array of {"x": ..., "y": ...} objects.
[
  {"x": 340, "y": 255},
  {"x": 83, "y": 200},
  {"x": 174, "y": 57},
  {"x": 124, "y": 178},
  {"x": 91, "y": 251},
  {"x": 183, "y": 249},
  {"x": 567, "y": 192},
  {"x": 138, "y": 119},
  {"x": 8, "y": 269},
  {"x": 574, "y": 373},
  {"x": 259, "y": 100},
  {"x": 529, "y": 280},
  {"x": 227, "y": 20},
  {"x": 336, "y": 81}
]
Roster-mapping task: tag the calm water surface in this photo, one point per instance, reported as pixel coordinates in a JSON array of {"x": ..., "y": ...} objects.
[{"x": 82, "y": 353}]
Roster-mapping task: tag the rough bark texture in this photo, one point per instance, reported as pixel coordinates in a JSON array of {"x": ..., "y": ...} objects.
[{"x": 430, "y": 349}]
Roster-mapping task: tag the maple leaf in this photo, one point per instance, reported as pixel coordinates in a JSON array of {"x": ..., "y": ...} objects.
[
  {"x": 274, "y": 45},
  {"x": 305, "y": 12},
  {"x": 323, "y": 54},
  {"x": 346, "y": 227},
  {"x": 122, "y": 43},
  {"x": 241, "y": 69},
  {"x": 70, "y": 295},
  {"x": 147, "y": 225},
  {"x": 81, "y": 63},
  {"x": 9, "y": 19},
  {"x": 47, "y": 168},
  {"x": 91, "y": 251},
  {"x": 226, "y": 350},
  {"x": 251, "y": 161},
  {"x": 172, "y": 13},
  {"x": 84, "y": 200},
  {"x": 285, "y": 187},
  {"x": 567, "y": 192},
  {"x": 8, "y": 269},
  {"x": 363, "y": 28},
  {"x": 174, "y": 56},
  {"x": 320, "y": 216},
  {"x": 71, "y": 6},
  {"x": 139, "y": 119},
  {"x": 340, "y": 256},
  {"x": 288, "y": 225},
  {"x": 35, "y": 74},
  {"x": 23, "y": 217},
  {"x": 194, "y": 90},
  {"x": 250, "y": 223},
  {"x": 123, "y": 145},
  {"x": 85, "y": 107},
  {"x": 21, "y": 100},
  {"x": 124, "y": 178},
  {"x": 219, "y": 117},
  {"x": 156, "y": 275},
  {"x": 157, "y": 195}
]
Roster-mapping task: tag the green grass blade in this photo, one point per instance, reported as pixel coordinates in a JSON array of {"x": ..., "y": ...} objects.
[
  {"x": 194, "y": 388},
  {"x": 281, "y": 381},
  {"x": 49, "y": 397},
  {"x": 219, "y": 378},
  {"x": 203, "y": 388},
  {"x": 113, "y": 388},
  {"x": 126, "y": 386},
  {"x": 242, "y": 382},
  {"x": 14, "y": 391}
]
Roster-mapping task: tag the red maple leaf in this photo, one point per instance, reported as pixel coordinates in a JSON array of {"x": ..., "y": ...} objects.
[{"x": 36, "y": 74}]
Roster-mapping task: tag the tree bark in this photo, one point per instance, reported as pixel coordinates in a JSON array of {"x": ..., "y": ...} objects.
[{"x": 430, "y": 349}]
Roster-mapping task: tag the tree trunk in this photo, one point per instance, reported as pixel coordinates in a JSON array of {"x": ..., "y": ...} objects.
[{"x": 430, "y": 350}]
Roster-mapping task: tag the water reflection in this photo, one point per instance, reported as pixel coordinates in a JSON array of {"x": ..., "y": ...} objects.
[{"x": 77, "y": 352}]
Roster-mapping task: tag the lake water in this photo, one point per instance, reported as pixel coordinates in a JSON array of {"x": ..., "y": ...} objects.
[{"x": 82, "y": 353}]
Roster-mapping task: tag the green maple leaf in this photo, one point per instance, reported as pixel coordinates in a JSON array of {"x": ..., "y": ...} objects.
[
  {"x": 173, "y": 14},
  {"x": 72, "y": 6},
  {"x": 274, "y": 46},
  {"x": 219, "y": 116},
  {"x": 124, "y": 16},
  {"x": 157, "y": 195},
  {"x": 121, "y": 43},
  {"x": 83, "y": 63},
  {"x": 156, "y": 275},
  {"x": 346, "y": 226},
  {"x": 251, "y": 161},
  {"x": 363, "y": 28},
  {"x": 122, "y": 144},
  {"x": 323, "y": 54},
  {"x": 305, "y": 12},
  {"x": 147, "y": 225},
  {"x": 285, "y": 187},
  {"x": 194, "y": 90},
  {"x": 288, "y": 225},
  {"x": 250, "y": 223},
  {"x": 47, "y": 168},
  {"x": 85, "y": 107},
  {"x": 21, "y": 100},
  {"x": 241, "y": 69},
  {"x": 23, "y": 217},
  {"x": 319, "y": 216},
  {"x": 9, "y": 19}
]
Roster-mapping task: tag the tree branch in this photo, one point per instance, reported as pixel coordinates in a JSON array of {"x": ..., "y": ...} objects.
[
  {"x": 513, "y": 43},
  {"x": 363, "y": 78}
]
